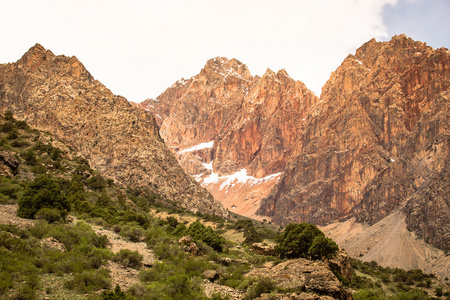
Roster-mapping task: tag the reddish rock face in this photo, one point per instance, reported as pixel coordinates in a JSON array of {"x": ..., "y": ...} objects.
[
  {"x": 376, "y": 138},
  {"x": 252, "y": 122},
  {"x": 57, "y": 94}
]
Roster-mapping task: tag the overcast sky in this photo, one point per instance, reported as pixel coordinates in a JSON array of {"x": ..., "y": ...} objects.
[{"x": 138, "y": 48}]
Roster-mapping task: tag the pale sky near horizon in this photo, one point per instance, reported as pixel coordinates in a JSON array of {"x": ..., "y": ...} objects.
[{"x": 138, "y": 48}]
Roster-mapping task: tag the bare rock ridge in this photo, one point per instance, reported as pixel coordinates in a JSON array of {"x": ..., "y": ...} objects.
[
  {"x": 377, "y": 138},
  {"x": 57, "y": 94},
  {"x": 231, "y": 130}
]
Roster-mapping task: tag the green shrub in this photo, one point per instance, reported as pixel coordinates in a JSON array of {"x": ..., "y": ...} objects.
[
  {"x": 7, "y": 127},
  {"x": 133, "y": 232},
  {"x": 30, "y": 157},
  {"x": 411, "y": 295},
  {"x": 167, "y": 251},
  {"x": 369, "y": 295},
  {"x": 89, "y": 281},
  {"x": 6, "y": 282},
  {"x": 251, "y": 235},
  {"x": 157, "y": 272},
  {"x": 8, "y": 116},
  {"x": 219, "y": 296},
  {"x": 297, "y": 239},
  {"x": 98, "y": 256},
  {"x": 129, "y": 259},
  {"x": 262, "y": 285},
  {"x": 198, "y": 231},
  {"x": 50, "y": 215},
  {"x": 39, "y": 169},
  {"x": 117, "y": 294},
  {"x": 96, "y": 182},
  {"x": 438, "y": 291},
  {"x": 42, "y": 192},
  {"x": 322, "y": 247}
]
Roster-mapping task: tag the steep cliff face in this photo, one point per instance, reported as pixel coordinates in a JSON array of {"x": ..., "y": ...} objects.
[
  {"x": 57, "y": 94},
  {"x": 232, "y": 131},
  {"x": 378, "y": 135}
]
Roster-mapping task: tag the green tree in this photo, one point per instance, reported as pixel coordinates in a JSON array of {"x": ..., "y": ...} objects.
[
  {"x": 297, "y": 239},
  {"x": 199, "y": 232},
  {"x": 322, "y": 247},
  {"x": 42, "y": 192}
]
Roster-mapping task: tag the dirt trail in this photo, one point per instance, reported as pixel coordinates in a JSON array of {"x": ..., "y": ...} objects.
[{"x": 124, "y": 277}]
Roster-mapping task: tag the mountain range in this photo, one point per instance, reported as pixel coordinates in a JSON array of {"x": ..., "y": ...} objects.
[
  {"x": 372, "y": 150},
  {"x": 375, "y": 143}
]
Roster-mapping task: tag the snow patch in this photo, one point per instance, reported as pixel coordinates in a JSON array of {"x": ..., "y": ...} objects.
[
  {"x": 233, "y": 179},
  {"x": 242, "y": 177},
  {"x": 198, "y": 147},
  {"x": 208, "y": 166},
  {"x": 392, "y": 160},
  {"x": 212, "y": 178}
]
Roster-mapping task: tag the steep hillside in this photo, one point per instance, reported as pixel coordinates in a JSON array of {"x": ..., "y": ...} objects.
[
  {"x": 376, "y": 142},
  {"x": 379, "y": 136},
  {"x": 232, "y": 131},
  {"x": 57, "y": 94}
]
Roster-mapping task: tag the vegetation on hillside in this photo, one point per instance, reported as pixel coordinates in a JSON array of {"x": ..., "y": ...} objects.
[{"x": 52, "y": 185}]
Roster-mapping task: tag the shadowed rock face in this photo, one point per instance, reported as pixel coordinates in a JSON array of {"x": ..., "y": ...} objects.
[
  {"x": 57, "y": 94},
  {"x": 378, "y": 137}
]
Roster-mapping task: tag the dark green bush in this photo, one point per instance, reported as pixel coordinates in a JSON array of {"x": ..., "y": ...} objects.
[
  {"x": 96, "y": 182},
  {"x": 322, "y": 247},
  {"x": 30, "y": 157},
  {"x": 42, "y": 192},
  {"x": 198, "y": 231},
  {"x": 7, "y": 127},
  {"x": 297, "y": 239},
  {"x": 89, "y": 281}
]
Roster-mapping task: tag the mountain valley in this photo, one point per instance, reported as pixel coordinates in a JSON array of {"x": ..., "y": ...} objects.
[
  {"x": 376, "y": 141},
  {"x": 367, "y": 162}
]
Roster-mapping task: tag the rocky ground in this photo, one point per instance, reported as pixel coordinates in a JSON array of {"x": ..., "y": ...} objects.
[{"x": 124, "y": 277}]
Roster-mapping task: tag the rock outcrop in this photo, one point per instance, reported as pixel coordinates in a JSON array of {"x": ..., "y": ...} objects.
[
  {"x": 232, "y": 131},
  {"x": 378, "y": 137},
  {"x": 57, "y": 94},
  {"x": 304, "y": 275}
]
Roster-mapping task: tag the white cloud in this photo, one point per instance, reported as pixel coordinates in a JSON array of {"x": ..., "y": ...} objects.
[{"x": 138, "y": 48}]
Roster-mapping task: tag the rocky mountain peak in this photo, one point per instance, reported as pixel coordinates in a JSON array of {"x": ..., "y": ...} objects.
[
  {"x": 222, "y": 67},
  {"x": 57, "y": 94},
  {"x": 34, "y": 57},
  {"x": 366, "y": 148},
  {"x": 226, "y": 126}
]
